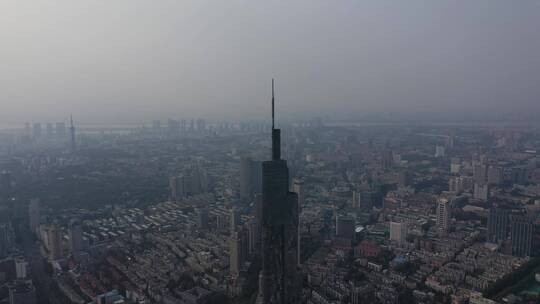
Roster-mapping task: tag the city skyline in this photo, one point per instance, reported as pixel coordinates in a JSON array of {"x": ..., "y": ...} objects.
[{"x": 144, "y": 160}]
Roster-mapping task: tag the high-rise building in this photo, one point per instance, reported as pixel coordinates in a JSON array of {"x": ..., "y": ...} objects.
[
  {"x": 111, "y": 297},
  {"x": 355, "y": 204},
  {"x": 521, "y": 235},
  {"x": 362, "y": 200},
  {"x": 49, "y": 129},
  {"x": 495, "y": 175},
  {"x": 36, "y": 130},
  {"x": 60, "y": 129},
  {"x": 27, "y": 129},
  {"x": 183, "y": 126},
  {"x": 245, "y": 178},
  {"x": 254, "y": 237},
  {"x": 440, "y": 151},
  {"x": 72, "y": 131},
  {"x": 398, "y": 232},
  {"x": 480, "y": 173},
  {"x": 366, "y": 200},
  {"x": 250, "y": 177},
  {"x": 54, "y": 242},
  {"x": 280, "y": 280},
  {"x": 387, "y": 159},
  {"x": 256, "y": 176},
  {"x": 5, "y": 182},
  {"x": 193, "y": 180},
  {"x": 497, "y": 225},
  {"x": 173, "y": 127},
  {"x": 235, "y": 254},
  {"x": 455, "y": 184},
  {"x": 202, "y": 218},
  {"x": 5, "y": 239},
  {"x": 519, "y": 175},
  {"x": 481, "y": 191},
  {"x": 176, "y": 186},
  {"x": 21, "y": 268},
  {"x": 22, "y": 292},
  {"x": 298, "y": 188},
  {"x": 404, "y": 179},
  {"x": 345, "y": 227},
  {"x": 201, "y": 125},
  {"x": 156, "y": 127},
  {"x": 33, "y": 215},
  {"x": 458, "y": 184},
  {"x": 234, "y": 219},
  {"x": 455, "y": 165},
  {"x": 443, "y": 215},
  {"x": 75, "y": 236}
]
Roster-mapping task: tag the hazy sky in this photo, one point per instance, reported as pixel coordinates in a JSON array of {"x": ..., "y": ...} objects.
[{"x": 133, "y": 60}]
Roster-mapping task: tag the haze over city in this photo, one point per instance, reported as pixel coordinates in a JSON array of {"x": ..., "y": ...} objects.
[
  {"x": 130, "y": 61},
  {"x": 269, "y": 152}
]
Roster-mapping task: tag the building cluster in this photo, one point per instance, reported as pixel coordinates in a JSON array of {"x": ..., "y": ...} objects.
[{"x": 199, "y": 212}]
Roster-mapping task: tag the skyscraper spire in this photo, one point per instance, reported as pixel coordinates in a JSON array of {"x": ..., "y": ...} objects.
[
  {"x": 272, "y": 103},
  {"x": 276, "y": 138}
]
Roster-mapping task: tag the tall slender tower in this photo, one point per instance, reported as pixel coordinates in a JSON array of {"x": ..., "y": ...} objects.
[
  {"x": 72, "y": 131},
  {"x": 280, "y": 280}
]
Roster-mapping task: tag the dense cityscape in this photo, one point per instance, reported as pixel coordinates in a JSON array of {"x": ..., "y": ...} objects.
[
  {"x": 182, "y": 211},
  {"x": 269, "y": 152}
]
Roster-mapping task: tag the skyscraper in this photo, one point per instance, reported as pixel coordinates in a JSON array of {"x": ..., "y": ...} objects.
[
  {"x": 440, "y": 151},
  {"x": 279, "y": 278},
  {"x": 22, "y": 292},
  {"x": 235, "y": 254},
  {"x": 521, "y": 235},
  {"x": 36, "y": 130},
  {"x": 201, "y": 125},
  {"x": 72, "y": 131},
  {"x": 245, "y": 178},
  {"x": 250, "y": 177},
  {"x": 495, "y": 175},
  {"x": 172, "y": 127},
  {"x": 183, "y": 126},
  {"x": 363, "y": 200},
  {"x": 75, "y": 236},
  {"x": 5, "y": 242},
  {"x": 481, "y": 191},
  {"x": 33, "y": 214},
  {"x": 5, "y": 182},
  {"x": 156, "y": 127},
  {"x": 443, "y": 215},
  {"x": 345, "y": 227},
  {"x": 49, "y": 128},
  {"x": 234, "y": 219},
  {"x": 202, "y": 218},
  {"x": 298, "y": 188},
  {"x": 60, "y": 129},
  {"x": 398, "y": 232},
  {"x": 54, "y": 242},
  {"x": 480, "y": 173},
  {"x": 497, "y": 225}
]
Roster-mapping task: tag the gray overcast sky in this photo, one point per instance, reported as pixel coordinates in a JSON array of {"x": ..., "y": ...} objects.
[{"x": 133, "y": 60}]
